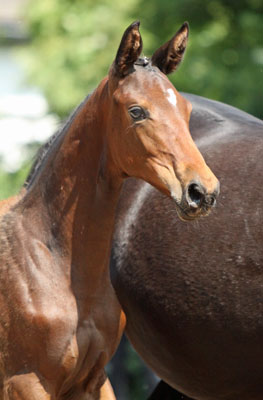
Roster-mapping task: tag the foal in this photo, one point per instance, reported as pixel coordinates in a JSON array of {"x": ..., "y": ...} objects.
[{"x": 60, "y": 319}]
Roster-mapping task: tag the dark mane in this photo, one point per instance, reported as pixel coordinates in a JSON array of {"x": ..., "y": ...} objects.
[{"x": 45, "y": 148}]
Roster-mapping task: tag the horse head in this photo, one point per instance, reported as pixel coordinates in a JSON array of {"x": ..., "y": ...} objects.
[{"x": 149, "y": 135}]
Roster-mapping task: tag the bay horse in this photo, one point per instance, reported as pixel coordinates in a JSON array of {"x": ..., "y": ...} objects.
[
  {"x": 193, "y": 293},
  {"x": 60, "y": 320}
]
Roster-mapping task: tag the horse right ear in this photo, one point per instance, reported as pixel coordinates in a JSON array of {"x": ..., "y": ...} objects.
[
  {"x": 168, "y": 57},
  {"x": 129, "y": 50}
]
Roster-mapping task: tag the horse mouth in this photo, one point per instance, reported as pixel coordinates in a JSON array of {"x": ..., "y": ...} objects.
[{"x": 189, "y": 214}]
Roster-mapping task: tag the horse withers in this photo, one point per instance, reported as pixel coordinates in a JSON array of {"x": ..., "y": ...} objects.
[
  {"x": 192, "y": 293},
  {"x": 60, "y": 320}
]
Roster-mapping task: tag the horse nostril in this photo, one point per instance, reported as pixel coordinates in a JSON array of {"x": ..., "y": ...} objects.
[
  {"x": 211, "y": 201},
  {"x": 195, "y": 195}
]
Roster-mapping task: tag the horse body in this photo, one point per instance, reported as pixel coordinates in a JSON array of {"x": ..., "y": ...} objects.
[
  {"x": 192, "y": 293},
  {"x": 60, "y": 318},
  {"x": 58, "y": 322}
]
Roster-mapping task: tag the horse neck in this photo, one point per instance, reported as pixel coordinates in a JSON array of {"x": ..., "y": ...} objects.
[{"x": 74, "y": 196}]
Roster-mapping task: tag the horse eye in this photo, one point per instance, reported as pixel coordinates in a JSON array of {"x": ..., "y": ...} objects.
[{"x": 137, "y": 113}]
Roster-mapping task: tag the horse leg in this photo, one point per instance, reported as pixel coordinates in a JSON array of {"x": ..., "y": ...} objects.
[
  {"x": 165, "y": 392},
  {"x": 106, "y": 391},
  {"x": 25, "y": 387}
]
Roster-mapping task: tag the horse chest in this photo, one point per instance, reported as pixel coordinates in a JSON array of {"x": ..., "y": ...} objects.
[
  {"x": 69, "y": 352},
  {"x": 87, "y": 350}
]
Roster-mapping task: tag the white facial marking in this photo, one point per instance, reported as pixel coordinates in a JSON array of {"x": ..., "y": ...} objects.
[{"x": 171, "y": 97}]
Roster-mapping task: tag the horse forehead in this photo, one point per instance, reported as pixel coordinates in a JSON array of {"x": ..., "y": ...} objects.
[
  {"x": 152, "y": 82},
  {"x": 150, "y": 85}
]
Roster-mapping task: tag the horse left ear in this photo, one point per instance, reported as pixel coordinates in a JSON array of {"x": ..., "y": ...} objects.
[
  {"x": 129, "y": 50},
  {"x": 168, "y": 57}
]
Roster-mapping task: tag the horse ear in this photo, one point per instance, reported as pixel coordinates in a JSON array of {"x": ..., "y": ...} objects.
[
  {"x": 168, "y": 57},
  {"x": 129, "y": 50}
]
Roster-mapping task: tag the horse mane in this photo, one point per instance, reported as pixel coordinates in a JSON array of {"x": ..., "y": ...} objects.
[{"x": 44, "y": 150}]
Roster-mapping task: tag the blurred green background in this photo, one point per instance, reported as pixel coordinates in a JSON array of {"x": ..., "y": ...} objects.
[
  {"x": 65, "y": 47},
  {"x": 68, "y": 46},
  {"x": 74, "y": 42}
]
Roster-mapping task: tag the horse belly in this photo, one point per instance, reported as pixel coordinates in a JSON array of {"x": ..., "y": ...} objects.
[
  {"x": 196, "y": 358},
  {"x": 192, "y": 293}
]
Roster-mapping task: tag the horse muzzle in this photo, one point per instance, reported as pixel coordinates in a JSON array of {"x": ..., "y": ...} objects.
[{"x": 196, "y": 202}]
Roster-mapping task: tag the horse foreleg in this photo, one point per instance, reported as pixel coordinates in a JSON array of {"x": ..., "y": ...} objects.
[
  {"x": 165, "y": 392},
  {"x": 106, "y": 391},
  {"x": 25, "y": 387}
]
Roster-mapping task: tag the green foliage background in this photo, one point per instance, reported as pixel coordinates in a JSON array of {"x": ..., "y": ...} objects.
[{"x": 74, "y": 43}]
